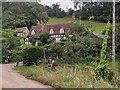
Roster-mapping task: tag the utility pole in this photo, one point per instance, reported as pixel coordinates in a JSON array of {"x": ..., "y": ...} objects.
[{"x": 113, "y": 38}]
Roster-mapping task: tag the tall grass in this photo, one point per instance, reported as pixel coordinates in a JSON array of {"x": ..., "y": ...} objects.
[{"x": 82, "y": 77}]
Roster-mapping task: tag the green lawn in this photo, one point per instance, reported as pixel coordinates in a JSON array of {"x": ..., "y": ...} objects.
[
  {"x": 59, "y": 20},
  {"x": 98, "y": 27}
]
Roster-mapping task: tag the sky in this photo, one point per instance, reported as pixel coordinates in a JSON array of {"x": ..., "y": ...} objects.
[{"x": 64, "y": 4}]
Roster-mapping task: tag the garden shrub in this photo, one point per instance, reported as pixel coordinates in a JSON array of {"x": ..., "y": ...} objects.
[
  {"x": 32, "y": 55},
  {"x": 10, "y": 45}
]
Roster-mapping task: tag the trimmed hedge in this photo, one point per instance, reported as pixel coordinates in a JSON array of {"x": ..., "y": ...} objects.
[{"x": 32, "y": 55}]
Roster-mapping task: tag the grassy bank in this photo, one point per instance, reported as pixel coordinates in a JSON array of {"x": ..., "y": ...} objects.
[{"x": 82, "y": 77}]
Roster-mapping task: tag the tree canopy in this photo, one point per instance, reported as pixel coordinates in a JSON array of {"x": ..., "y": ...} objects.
[
  {"x": 102, "y": 11},
  {"x": 19, "y": 14}
]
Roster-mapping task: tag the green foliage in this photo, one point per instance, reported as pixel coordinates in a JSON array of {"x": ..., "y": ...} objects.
[
  {"x": 32, "y": 40},
  {"x": 57, "y": 11},
  {"x": 55, "y": 50},
  {"x": 104, "y": 45},
  {"x": 10, "y": 43},
  {"x": 64, "y": 78},
  {"x": 44, "y": 37},
  {"x": 32, "y": 55},
  {"x": 78, "y": 29},
  {"x": 19, "y": 14},
  {"x": 117, "y": 41},
  {"x": 82, "y": 50},
  {"x": 101, "y": 67},
  {"x": 45, "y": 17},
  {"x": 70, "y": 12},
  {"x": 49, "y": 11},
  {"x": 117, "y": 38}
]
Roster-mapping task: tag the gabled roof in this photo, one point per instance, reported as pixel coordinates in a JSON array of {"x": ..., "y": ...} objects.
[
  {"x": 47, "y": 27},
  {"x": 97, "y": 36},
  {"x": 21, "y": 29},
  {"x": 37, "y": 29}
]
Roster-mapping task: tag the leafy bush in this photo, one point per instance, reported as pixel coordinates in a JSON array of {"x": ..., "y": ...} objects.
[
  {"x": 32, "y": 55},
  {"x": 84, "y": 50},
  {"x": 44, "y": 37},
  {"x": 10, "y": 44}
]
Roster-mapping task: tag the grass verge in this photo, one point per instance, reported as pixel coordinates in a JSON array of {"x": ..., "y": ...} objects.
[{"x": 83, "y": 77}]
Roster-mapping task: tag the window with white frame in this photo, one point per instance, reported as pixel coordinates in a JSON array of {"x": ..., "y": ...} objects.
[
  {"x": 61, "y": 35},
  {"x": 26, "y": 39},
  {"x": 64, "y": 37},
  {"x": 33, "y": 32},
  {"x": 52, "y": 35},
  {"x": 51, "y": 31},
  {"x": 26, "y": 42},
  {"x": 62, "y": 30},
  {"x": 21, "y": 34}
]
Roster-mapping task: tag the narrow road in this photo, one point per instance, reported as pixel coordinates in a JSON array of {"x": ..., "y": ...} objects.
[{"x": 12, "y": 79}]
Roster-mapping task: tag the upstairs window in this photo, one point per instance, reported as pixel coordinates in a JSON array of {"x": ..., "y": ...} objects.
[
  {"x": 21, "y": 34},
  {"x": 26, "y": 39},
  {"x": 33, "y": 32},
  {"x": 51, "y": 31},
  {"x": 62, "y": 30}
]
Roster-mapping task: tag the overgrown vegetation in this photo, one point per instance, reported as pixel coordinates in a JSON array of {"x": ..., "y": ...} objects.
[
  {"x": 28, "y": 14},
  {"x": 83, "y": 77},
  {"x": 10, "y": 46},
  {"x": 90, "y": 56},
  {"x": 29, "y": 58}
]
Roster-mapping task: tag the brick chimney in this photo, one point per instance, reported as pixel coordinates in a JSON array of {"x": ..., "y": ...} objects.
[{"x": 42, "y": 27}]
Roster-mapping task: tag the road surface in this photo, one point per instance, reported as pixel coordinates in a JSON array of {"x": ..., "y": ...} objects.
[{"x": 12, "y": 79}]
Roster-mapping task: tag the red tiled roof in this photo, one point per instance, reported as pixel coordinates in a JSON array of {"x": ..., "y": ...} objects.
[{"x": 46, "y": 28}]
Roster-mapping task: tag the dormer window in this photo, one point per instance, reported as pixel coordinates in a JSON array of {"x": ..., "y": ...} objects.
[
  {"x": 62, "y": 30},
  {"x": 51, "y": 31},
  {"x": 33, "y": 32},
  {"x": 26, "y": 39}
]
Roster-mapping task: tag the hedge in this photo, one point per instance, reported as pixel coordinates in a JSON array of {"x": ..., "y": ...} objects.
[{"x": 32, "y": 55}]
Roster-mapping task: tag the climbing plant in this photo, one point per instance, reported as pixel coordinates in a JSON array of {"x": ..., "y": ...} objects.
[
  {"x": 102, "y": 67},
  {"x": 102, "y": 64}
]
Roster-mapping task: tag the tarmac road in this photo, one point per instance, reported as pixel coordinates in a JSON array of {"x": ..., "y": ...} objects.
[{"x": 12, "y": 79}]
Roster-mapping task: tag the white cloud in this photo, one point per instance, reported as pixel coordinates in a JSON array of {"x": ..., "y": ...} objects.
[{"x": 64, "y": 4}]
